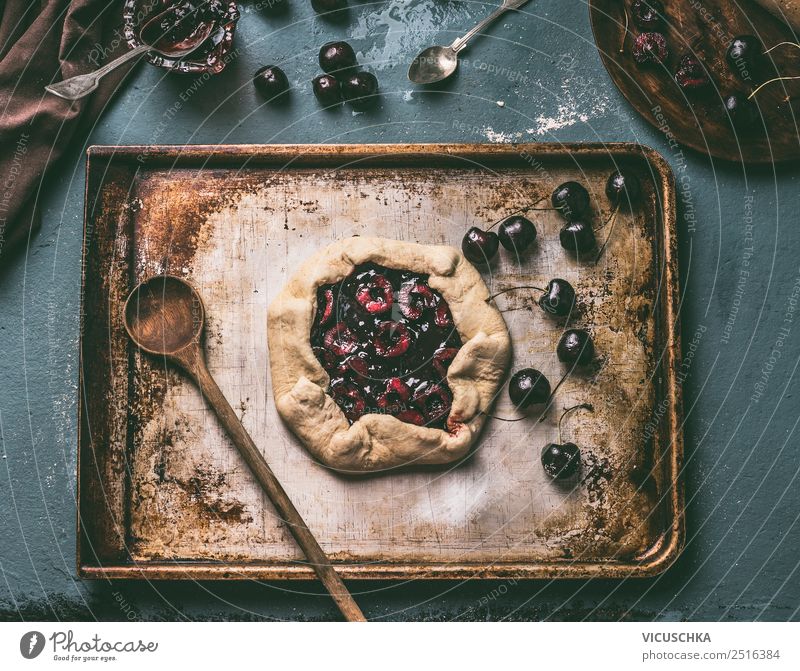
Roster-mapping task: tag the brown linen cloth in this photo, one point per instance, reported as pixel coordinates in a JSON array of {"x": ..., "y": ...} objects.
[{"x": 44, "y": 42}]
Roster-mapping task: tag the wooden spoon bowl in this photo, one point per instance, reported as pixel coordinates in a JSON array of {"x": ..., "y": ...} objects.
[{"x": 164, "y": 315}]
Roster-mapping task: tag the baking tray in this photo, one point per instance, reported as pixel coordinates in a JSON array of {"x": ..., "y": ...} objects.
[{"x": 163, "y": 495}]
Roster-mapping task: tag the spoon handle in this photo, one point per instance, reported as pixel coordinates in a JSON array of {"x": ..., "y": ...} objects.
[
  {"x": 461, "y": 42},
  {"x": 315, "y": 555},
  {"x": 79, "y": 86}
]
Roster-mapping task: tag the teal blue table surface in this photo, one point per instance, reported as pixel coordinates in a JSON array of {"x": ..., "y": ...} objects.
[{"x": 535, "y": 76}]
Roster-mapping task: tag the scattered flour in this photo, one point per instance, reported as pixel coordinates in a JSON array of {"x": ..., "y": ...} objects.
[
  {"x": 566, "y": 116},
  {"x": 399, "y": 28},
  {"x": 576, "y": 105},
  {"x": 494, "y": 136}
]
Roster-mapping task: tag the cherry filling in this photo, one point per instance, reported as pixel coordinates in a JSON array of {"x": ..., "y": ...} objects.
[
  {"x": 387, "y": 339},
  {"x": 415, "y": 298},
  {"x": 340, "y": 340},
  {"x": 435, "y": 402},
  {"x": 375, "y": 295},
  {"x": 396, "y": 396},
  {"x": 392, "y": 340},
  {"x": 326, "y": 306},
  {"x": 182, "y": 20},
  {"x": 349, "y": 399}
]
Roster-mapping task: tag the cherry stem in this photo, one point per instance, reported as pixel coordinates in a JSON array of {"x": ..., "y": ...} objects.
[
  {"x": 770, "y": 81},
  {"x": 780, "y": 44},
  {"x": 505, "y": 291},
  {"x": 557, "y": 387},
  {"x": 522, "y": 209},
  {"x": 512, "y": 419},
  {"x": 504, "y": 419},
  {"x": 613, "y": 220},
  {"x": 625, "y": 30},
  {"x": 580, "y": 406},
  {"x": 552, "y": 396}
]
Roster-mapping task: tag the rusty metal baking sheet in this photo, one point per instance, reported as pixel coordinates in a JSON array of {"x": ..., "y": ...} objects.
[{"x": 163, "y": 493}]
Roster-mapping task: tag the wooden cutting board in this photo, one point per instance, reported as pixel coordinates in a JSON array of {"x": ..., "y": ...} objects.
[
  {"x": 700, "y": 122},
  {"x": 785, "y": 10}
]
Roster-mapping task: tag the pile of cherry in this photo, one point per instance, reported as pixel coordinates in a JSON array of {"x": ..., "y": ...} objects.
[
  {"x": 745, "y": 57},
  {"x": 341, "y": 81},
  {"x": 529, "y": 387}
]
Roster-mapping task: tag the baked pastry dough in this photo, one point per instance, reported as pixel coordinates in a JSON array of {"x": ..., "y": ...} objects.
[{"x": 379, "y": 441}]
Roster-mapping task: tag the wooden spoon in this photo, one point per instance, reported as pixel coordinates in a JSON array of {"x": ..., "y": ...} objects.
[{"x": 164, "y": 316}]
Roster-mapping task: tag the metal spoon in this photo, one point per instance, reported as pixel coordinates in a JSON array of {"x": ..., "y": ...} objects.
[
  {"x": 165, "y": 317},
  {"x": 437, "y": 63},
  {"x": 79, "y": 86}
]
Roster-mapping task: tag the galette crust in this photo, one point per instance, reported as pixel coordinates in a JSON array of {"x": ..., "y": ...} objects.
[{"x": 376, "y": 441}]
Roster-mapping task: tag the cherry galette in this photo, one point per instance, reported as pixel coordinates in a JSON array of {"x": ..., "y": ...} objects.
[{"x": 386, "y": 353}]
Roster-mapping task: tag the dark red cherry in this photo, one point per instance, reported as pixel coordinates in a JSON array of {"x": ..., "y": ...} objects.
[
  {"x": 395, "y": 397},
  {"x": 517, "y": 233},
  {"x": 375, "y": 294},
  {"x": 575, "y": 347},
  {"x": 392, "y": 339},
  {"x": 324, "y": 6},
  {"x": 411, "y": 416},
  {"x": 743, "y": 113},
  {"x": 350, "y": 399},
  {"x": 528, "y": 387},
  {"x": 442, "y": 317},
  {"x": 559, "y": 299},
  {"x": 649, "y": 48},
  {"x": 340, "y": 340},
  {"x": 414, "y": 298},
  {"x": 325, "y": 357},
  {"x": 480, "y": 246},
  {"x": 336, "y": 56},
  {"x": 561, "y": 460},
  {"x": 691, "y": 75},
  {"x": 354, "y": 366},
  {"x": 442, "y": 359},
  {"x": 745, "y": 56},
  {"x": 360, "y": 89},
  {"x": 326, "y": 307},
  {"x": 571, "y": 200},
  {"x": 435, "y": 402},
  {"x": 623, "y": 188},
  {"x": 577, "y": 237},
  {"x": 271, "y": 82},
  {"x": 327, "y": 90},
  {"x": 647, "y": 14}
]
